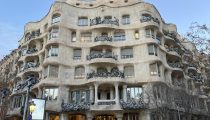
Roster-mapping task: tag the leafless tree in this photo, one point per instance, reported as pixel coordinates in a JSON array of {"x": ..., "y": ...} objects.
[{"x": 200, "y": 36}]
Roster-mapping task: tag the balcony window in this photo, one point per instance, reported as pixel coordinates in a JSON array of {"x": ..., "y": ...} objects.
[
  {"x": 119, "y": 35},
  {"x": 126, "y": 53},
  {"x": 79, "y": 72},
  {"x": 152, "y": 49},
  {"x": 53, "y": 51},
  {"x": 77, "y": 54},
  {"x": 80, "y": 96},
  {"x": 83, "y": 21},
  {"x": 17, "y": 101},
  {"x": 56, "y": 18},
  {"x": 125, "y": 19},
  {"x": 134, "y": 93},
  {"x": 154, "y": 69},
  {"x": 53, "y": 33},
  {"x": 129, "y": 71},
  {"x": 86, "y": 36},
  {"x": 101, "y": 70},
  {"x": 73, "y": 37},
  {"x": 51, "y": 94},
  {"x": 53, "y": 71},
  {"x": 150, "y": 33}
]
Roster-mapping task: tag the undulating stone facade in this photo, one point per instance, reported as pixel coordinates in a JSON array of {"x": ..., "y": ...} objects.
[{"x": 107, "y": 60}]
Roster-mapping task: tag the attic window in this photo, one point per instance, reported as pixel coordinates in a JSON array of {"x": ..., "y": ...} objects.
[
  {"x": 91, "y": 5},
  {"x": 111, "y": 1},
  {"x": 126, "y": 1},
  {"x": 77, "y": 4}
]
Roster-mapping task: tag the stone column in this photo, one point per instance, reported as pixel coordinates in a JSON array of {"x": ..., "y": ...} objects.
[
  {"x": 145, "y": 115},
  {"x": 63, "y": 116},
  {"x": 91, "y": 94},
  {"x": 125, "y": 92},
  {"x": 46, "y": 116},
  {"x": 96, "y": 93},
  {"x": 111, "y": 94},
  {"x": 39, "y": 92},
  {"x": 116, "y": 93}
]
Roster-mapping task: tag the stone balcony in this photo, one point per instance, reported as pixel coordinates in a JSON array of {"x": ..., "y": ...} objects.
[
  {"x": 175, "y": 65},
  {"x": 102, "y": 55},
  {"x": 75, "y": 107},
  {"x": 114, "y": 73},
  {"x": 99, "y": 20},
  {"x": 177, "y": 50},
  {"x": 31, "y": 51},
  {"x": 149, "y": 19},
  {"x": 103, "y": 39}
]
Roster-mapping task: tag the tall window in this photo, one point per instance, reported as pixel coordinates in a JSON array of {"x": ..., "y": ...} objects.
[
  {"x": 80, "y": 96},
  {"x": 73, "y": 37},
  {"x": 77, "y": 54},
  {"x": 83, "y": 21},
  {"x": 129, "y": 71},
  {"x": 79, "y": 72},
  {"x": 154, "y": 69},
  {"x": 53, "y": 33},
  {"x": 17, "y": 101},
  {"x": 56, "y": 18},
  {"x": 134, "y": 93},
  {"x": 51, "y": 94},
  {"x": 152, "y": 49},
  {"x": 119, "y": 35},
  {"x": 158, "y": 39},
  {"x": 125, "y": 19},
  {"x": 126, "y": 53},
  {"x": 53, "y": 51},
  {"x": 53, "y": 71},
  {"x": 86, "y": 36},
  {"x": 50, "y": 71},
  {"x": 150, "y": 33}
]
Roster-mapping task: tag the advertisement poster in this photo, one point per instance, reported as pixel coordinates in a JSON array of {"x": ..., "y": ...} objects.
[{"x": 38, "y": 113}]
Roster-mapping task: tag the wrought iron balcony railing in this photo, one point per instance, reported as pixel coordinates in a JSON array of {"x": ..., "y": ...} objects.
[
  {"x": 149, "y": 18},
  {"x": 179, "y": 83},
  {"x": 175, "y": 65},
  {"x": 99, "y": 20},
  {"x": 33, "y": 35},
  {"x": 31, "y": 65},
  {"x": 31, "y": 81},
  {"x": 73, "y": 107},
  {"x": 31, "y": 51},
  {"x": 114, "y": 73},
  {"x": 108, "y": 102},
  {"x": 175, "y": 50},
  {"x": 171, "y": 35},
  {"x": 103, "y": 38},
  {"x": 193, "y": 65},
  {"x": 102, "y": 55},
  {"x": 197, "y": 77},
  {"x": 133, "y": 104}
]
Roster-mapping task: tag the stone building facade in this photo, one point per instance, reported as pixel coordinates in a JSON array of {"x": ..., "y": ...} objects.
[{"x": 109, "y": 60}]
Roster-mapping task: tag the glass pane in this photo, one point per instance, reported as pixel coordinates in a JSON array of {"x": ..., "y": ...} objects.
[{"x": 55, "y": 96}]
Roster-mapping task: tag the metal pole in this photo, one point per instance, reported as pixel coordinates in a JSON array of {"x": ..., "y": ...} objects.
[
  {"x": 178, "y": 113},
  {"x": 26, "y": 105}
]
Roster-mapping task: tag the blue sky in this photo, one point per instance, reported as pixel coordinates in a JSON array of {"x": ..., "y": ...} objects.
[{"x": 16, "y": 13}]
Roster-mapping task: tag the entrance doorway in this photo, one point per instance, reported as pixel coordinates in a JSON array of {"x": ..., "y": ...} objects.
[{"x": 105, "y": 117}]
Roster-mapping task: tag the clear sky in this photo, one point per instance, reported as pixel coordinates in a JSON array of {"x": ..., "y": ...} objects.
[{"x": 16, "y": 13}]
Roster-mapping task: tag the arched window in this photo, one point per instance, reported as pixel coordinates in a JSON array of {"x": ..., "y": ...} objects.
[
  {"x": 79, "y": 72},
  {"x": 56, "y": 18}
]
